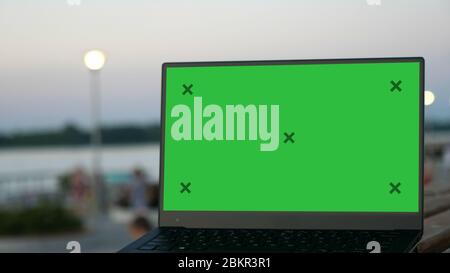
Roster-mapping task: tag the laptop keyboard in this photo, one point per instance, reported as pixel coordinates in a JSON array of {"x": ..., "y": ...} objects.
[{"x": 238, "y": 240}]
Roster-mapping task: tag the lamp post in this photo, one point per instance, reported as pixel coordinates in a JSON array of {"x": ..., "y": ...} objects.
[{"x": 94, "y": 60}]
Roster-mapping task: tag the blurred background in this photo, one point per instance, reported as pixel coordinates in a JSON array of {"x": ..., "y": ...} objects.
[{"x": 80, "y": 96}]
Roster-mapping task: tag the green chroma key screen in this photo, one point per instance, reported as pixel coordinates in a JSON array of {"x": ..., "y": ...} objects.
[{"x": 340, "y": 137}]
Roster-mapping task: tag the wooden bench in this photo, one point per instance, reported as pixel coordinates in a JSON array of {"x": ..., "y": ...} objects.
[{"x": 436, "y": 237}]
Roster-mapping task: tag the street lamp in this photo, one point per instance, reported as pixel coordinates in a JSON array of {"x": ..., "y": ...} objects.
[{"x": 94, "y": 60}]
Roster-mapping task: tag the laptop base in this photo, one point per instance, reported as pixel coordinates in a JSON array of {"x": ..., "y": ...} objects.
[{"x": 272, "y": 240}]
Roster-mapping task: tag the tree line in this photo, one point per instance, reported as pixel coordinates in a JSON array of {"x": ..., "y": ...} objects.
[{"x": 72, "y": 135}]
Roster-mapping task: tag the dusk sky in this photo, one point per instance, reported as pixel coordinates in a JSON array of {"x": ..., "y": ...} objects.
[{"x": 44, "y": 84}]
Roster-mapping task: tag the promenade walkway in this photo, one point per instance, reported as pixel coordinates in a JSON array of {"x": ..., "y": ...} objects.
[{"x": 103, "y": 234}]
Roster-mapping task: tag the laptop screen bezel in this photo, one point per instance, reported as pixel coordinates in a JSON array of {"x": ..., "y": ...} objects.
[{"x": 293, "y": 220}]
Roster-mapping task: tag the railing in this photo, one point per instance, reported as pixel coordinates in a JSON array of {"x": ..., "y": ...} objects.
[{"x": 26, "y": 188}]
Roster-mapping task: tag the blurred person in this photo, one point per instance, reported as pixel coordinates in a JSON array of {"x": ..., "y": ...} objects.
[
  {"x": 139, "y": 227},
  {"x": 446, "y": 164},
  {"x": 153, "y": 196},
  {"x": 138, "y": 192},
  {"x": 427, "y": 173},
  {"x": 123, "y": 197},
  {"x": 79, "y": 183}
]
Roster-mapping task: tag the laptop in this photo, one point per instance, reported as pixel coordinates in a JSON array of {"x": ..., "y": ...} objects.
[{"x": 290, "y": 156}]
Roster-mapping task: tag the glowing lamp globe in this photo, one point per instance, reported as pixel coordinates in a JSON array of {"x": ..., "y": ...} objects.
[
  {"x": 94, "y": 59},
  {"x": 429, "y": 98}
]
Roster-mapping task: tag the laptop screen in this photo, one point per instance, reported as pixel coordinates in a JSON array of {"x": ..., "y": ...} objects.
[{"x": 292, "y": 137}]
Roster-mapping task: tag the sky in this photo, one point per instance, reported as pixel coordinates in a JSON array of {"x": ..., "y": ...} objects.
[{"x": 44, "y": 84}]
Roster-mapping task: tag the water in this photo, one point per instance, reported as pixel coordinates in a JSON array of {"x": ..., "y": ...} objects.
[
  {"x": 45, "y": 164},
  {"x": 34, "y": 170},
  {"x": 60, "y": 160}
]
